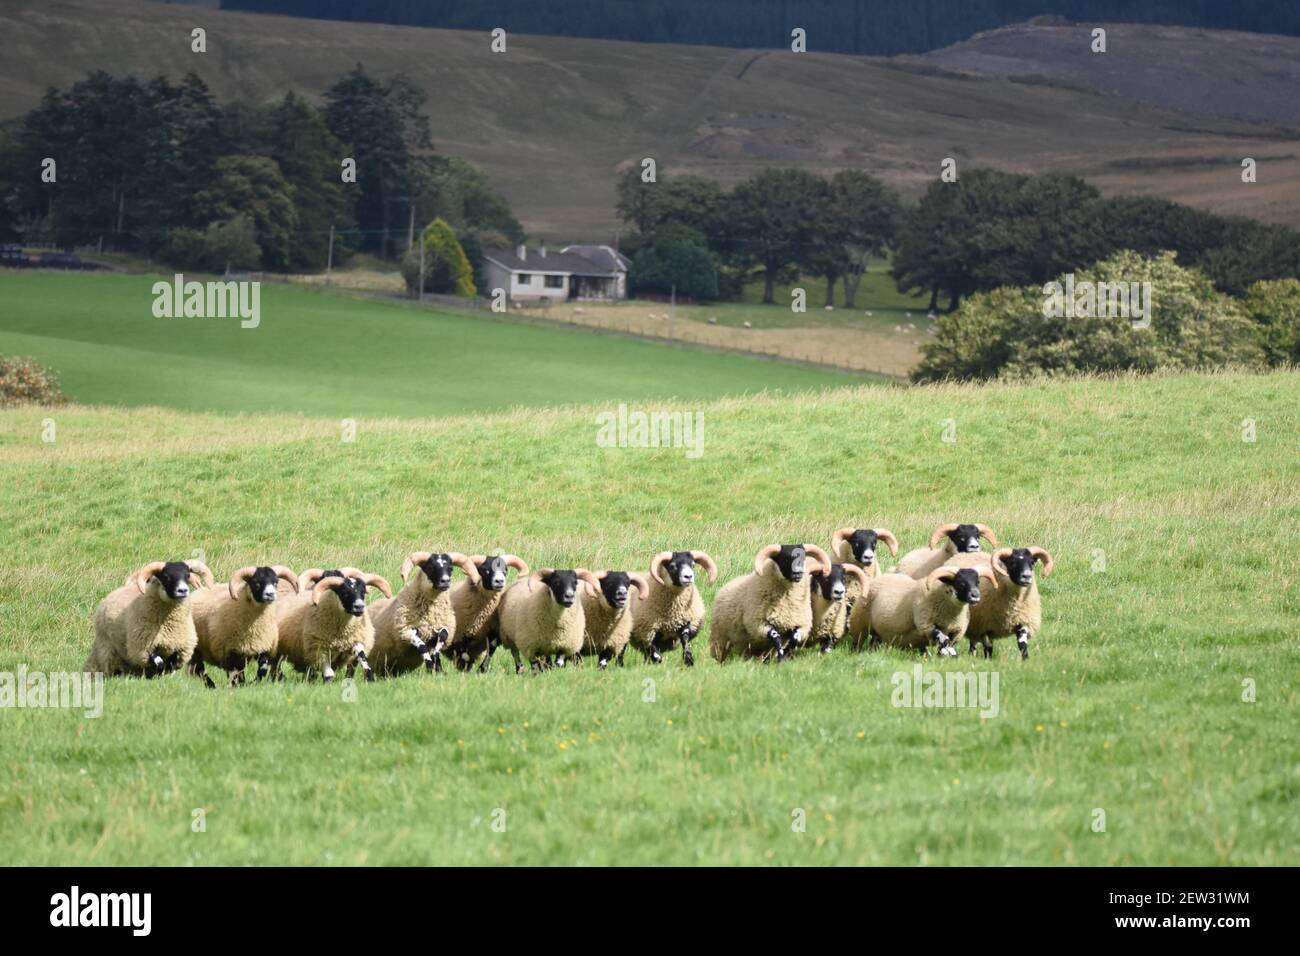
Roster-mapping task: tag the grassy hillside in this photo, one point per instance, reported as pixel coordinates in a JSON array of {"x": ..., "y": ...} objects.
[
  {"x": 331, "y": 354},
  {"x": 1131, "y": 702},
  {"x": 553, "y": 118}
]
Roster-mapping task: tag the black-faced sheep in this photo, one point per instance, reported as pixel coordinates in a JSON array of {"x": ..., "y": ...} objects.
[
  {"x": 857, "y": 546},
  {"x": 329, "y": 626},
  {"x": 906, "y": 612},
  {"x": 956, "y": 538},
  {"x": 145, "y": 626},
  {"x": 767, "y": 613},
  {"x": 1014, "y": 609},
  {"x": 415, "y": 625},
  {"x": 477, "y": 636},
  {"x": 830, "y": 603},
  {"x": 541, "y": 617},
  {"x": 673, "y": 612},
  {"x": 608, "y": 613},
  {"x": 237, "y": 623}
]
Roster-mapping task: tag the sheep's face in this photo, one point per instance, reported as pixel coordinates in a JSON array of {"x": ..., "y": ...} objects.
[
  {"x": 863, "y": 545},
  {"x": 493, "y": 573},
  {"x": 681, "y": 569},
  {"x": 790, "y": 562},
  {"x": 965, "y": 538},
  {"x": 351, "y": 593},
  {"x": 173, "y": 580},
  {"x": 1020, "y": 567},
  {"x": 963, "y": 586},
  {"x": 563, "y": 586},
  {"x": 830, "y": 585},
  {"x": 615, "y": 586},
  {"x": 263, "y": 585},
  {"x": 437, "y": 569}
]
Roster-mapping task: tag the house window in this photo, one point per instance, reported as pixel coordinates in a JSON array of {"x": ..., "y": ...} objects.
[
  {"x": 555, "y": 282},
  {"x": 524, "y": 278}
]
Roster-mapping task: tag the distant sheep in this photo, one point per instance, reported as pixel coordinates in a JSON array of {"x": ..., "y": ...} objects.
[
  {"x": 237, "y": 623},
  {"x": 857, "y": 546},
  {"x": 414, "y": 626},
  {"x": 830, "y": 604},
  {"x": 1014, "y": 608},
  {"x": 767, "y": 613},
  {"x": 328, "y": 626},
  {"x": 608, "y": 613},
  {"x": 673, "y": 612},
  {"x": 956, "y": 538},
  {"x": 476, "y": 605},
  {"x": 906, "y": 612},
  {"x": 541, "y": 617},
  {"x": 145, "y": 626}
]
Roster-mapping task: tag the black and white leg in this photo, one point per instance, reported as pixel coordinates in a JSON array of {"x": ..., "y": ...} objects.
[
  {"x": 153, "y": 665},
  {"x": 359, "y": 656},
  {"x": 652, "y": 651},
  {"x": 519, "y": 661},
  {"x": 263, "y": 666},
  {"x": 1022, "y": 639},
  {"x": 234, "y": 667},
  {"x": 778, "y": 644},
  {"x": 944, "y": 641},
  {"x": 795, "y": 640},
  {"x": 605, "y": 656},
  {"x": 439, "y": 641},
  {"x": 684, "y": 635},
  {"x": 197, "y": 668}
]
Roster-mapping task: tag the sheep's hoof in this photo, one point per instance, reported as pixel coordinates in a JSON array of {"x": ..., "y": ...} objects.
[
  {"x": 209, "y": 683},
  {"x": 1024, "y": 652},
  {"x": 328, "y": 679},
  {"x": 687, "y": 657},
  {"x": 947, "y": 651}
]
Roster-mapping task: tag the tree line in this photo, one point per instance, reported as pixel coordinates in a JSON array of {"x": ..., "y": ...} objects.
[
  {"x": 876, "y": 27},
  {"x": 161, "y": 168}
]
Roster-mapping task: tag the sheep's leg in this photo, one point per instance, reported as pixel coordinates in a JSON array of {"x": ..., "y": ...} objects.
[
  {"x": 537, "y": 665},
  {"x": 1022, "y": 638},
  {"x": 359, "y": 657},
  {"x": 988, "y": 647},
  {"x": 263, "y": 666},
  {"x": 413, "y": 638},
  {"x": 440, "y": 638},
  {"x": 519, "y": 661},
  {"x": 198, "y": 670},
  {"x": 774, "y": 637},
  {"x": 620, "y": 656},
  {"x": 828, "y": 644},
  {"x": 652, "y": 651},
  {"x": 605, "y": 656},
  {"x": 327, "y": 669},
  {"x": 173, "y": 664},
  {"x": 154, "y": 665},
  {"x": 493, "y": 643},
  {"x": 559, "y": 660},
  {"x": 874, "y": 642},
  {"x": 796, "y": 639},
  {"x": 684, "y": 635},
  {"x": 234, "y": 667},
  {"x": 944, "y": 641}
]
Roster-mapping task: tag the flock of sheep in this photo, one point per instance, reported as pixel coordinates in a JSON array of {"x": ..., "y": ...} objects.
[{"x": 797, "y": 596}]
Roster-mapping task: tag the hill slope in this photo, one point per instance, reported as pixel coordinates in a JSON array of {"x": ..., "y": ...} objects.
[
  {"x": 1171, "y": 590},
  {"x": 552, "y": 119},
  {"x": 322, "y": 353}
]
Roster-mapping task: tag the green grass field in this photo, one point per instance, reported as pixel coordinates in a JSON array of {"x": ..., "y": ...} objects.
[
  {"x": 332, "y": 354},
  {"x": 1175, "y": 585}
]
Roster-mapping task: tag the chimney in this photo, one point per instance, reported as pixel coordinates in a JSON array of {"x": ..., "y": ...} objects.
[
  {"x": 521, "y": 252},
  {"x": 543, "y": 249}
]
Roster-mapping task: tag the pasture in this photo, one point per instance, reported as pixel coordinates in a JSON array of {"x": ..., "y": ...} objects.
[{"x": 1174, "y": 594}]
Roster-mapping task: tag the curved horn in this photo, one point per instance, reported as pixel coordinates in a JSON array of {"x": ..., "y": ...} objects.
[
  {"x": 822, "y": 557},
  {"x": 765, "y": 552},
  {"x": 516, "y": 562},
  {"x": 933, "y": 576},
  {"x": 539, "y": 574},
  {"x": 323, "y": 585},
  {"x": 375, "y": 581},
  {"x": 1042, "y": 554},
  {"x": 201, "y": 569},
  {"x": 837, "y": 540},
  {"x": 939, "y": 532},
  {"x": 287, "y": 575},
  {"x": 466, "y": 564},
  {"x": 587, "y": 576},
  {"x": 815, "y": 567},
  {"x": 352, "y": 572},
  {"x": 239, "y": 577},
  {"x": 858, "y": 573},
  {"x": 141, "y": 577},
  {"x": 997, "y": 561},
  {"x": 887, "y": 536},
  {"x": 987, "y": 532},
  {"x": 657, "y": 564},
  {"x": 309, "y": 577},
  {"x": 711, "y": 566},
  {"x": 985, "y": 571},
  {"x": 412, "y": 559},
  {"x": 639, "y": 581}
]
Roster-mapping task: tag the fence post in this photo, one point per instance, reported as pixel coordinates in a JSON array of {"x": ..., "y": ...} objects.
[{"x": 329, "y": 260}]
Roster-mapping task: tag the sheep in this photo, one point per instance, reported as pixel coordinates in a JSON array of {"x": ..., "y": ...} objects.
[
  {"x": 608, "y": 614},
  {"x": 238, "y": 624},
  {"x": 830, "y": 602},
  {"x": 145, "y": 626},
  {"x": 328, "y": 625},
  {"x": 768, "y": 612},
  {"x": 476, "y": 606},
  {"x": 541, "y": 617},
  {"x": 1015, "y": 608},
  {"x": 416, "y": 625},
  {"x": 857, "y": 546},
  {"x": 907, "y": 612},
  {"x": 961, "y": 539},
  {"x": 673, "y": 611}
]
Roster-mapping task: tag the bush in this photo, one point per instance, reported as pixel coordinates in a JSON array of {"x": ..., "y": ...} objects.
[
  {"x": 1275, "y": 305},
  {"x": 679, "y": 258},
  {"x": 1005, "y": 333},
  {"x": 446, "y": 268},
  {"x": 221, "y": 246},
  {"x": 25, "y": 382}
]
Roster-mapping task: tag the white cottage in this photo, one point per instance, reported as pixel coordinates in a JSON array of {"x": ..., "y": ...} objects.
[{"x": 578, "y": 272}]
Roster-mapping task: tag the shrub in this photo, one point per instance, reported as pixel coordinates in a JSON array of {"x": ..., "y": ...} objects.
[
  {"x": 1275, "y": 305},
  {"x": 446, "y": 268},
  {"x": 221, "y": 246},
  {"x": 679, "y": 258},
  {"x": 23, "y": 381},
  {"x": 1005, "y": 333}
]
